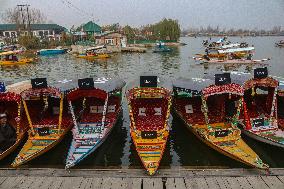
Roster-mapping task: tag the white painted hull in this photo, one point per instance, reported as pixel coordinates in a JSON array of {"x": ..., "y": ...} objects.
[{"x": 262, "y": 139}]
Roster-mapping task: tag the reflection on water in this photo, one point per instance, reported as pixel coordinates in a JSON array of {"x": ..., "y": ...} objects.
[{"x": 183, "y": 148}]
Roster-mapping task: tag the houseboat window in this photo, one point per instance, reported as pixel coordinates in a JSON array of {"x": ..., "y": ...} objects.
[
  {"x": 109, "y": 41},
  {"x": 7, "y": 34},
  {"x": 13, "y": 34}
]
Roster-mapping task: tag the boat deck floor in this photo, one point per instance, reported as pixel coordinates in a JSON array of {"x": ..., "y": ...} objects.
[{"x": 136, "y": 178}]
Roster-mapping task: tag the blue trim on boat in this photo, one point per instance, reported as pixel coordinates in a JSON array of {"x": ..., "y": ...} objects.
[{"x": 51, "y": 51}]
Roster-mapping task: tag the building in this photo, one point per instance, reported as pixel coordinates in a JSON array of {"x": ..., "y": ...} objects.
[
  {"x": 86, "y": 31},
  {"x": 90, "y": 28},
  {"x": 50, "y": 31},
  {"x": 111, "y": 38},
  {"x": 91, "y": 31}
]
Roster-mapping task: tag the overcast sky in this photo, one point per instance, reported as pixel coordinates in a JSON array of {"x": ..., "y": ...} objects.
[{"x": 246, "y": 14}]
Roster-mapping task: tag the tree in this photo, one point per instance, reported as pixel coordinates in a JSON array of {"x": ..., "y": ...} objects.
[
  {"x": 129, "y": 32},
  {"x": 16, "y": 16},
  {"x": 30, "y": 42},
  {"x": 167, "y": 29}
]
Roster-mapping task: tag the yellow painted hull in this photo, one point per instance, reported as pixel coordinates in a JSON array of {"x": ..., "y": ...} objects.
[
  {"x": 150, "y": 151},
  {"x": 38, "y": 145},
  {"x": 223, "y": 56},
  {"x": 20, "y": 138},
  {"x": 237, "y": 149},
  {"x": 19, "y": 62},
  {"x": 100, "y": 56},
  {"x": 150, "y": 148},
  {"x": 240, "y": 151}
]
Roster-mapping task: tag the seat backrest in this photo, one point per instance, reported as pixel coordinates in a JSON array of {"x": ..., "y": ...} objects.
[
  {"x": 96, "y": 109},
  {"x": 158, "y": 111},
  {"x": 142, "y": 112},
  {"x": 111, "y": 108},
  {"x": 188, "y": 109}
]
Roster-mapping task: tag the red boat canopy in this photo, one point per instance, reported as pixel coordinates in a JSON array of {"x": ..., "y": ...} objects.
[
  {"x": 49, "y": 91},
  {"x": 9, "y": 96},
  {"x": 231, "y": 88},
  {"x": 79, "y": 93},
  {"x": 265, "y": 82}
]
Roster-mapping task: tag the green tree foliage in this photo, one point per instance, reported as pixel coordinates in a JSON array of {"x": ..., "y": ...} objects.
[
  {"x": 129, "y": 32},
  {"x": 30, "y": 42},
  {"x": 167, "y": 29}
]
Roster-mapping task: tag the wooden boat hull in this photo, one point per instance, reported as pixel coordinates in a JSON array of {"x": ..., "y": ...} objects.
[
  {"x": 19, "y": 62},
  {"x": 100, "y": 56},
  {"x": 281, "y": 124},
  {"x": 264, "y": 139},
  {"x": 162, "y": 50},
  {"x": 14, "y": 147},
  {"x": 150, "y": 151},
  {"x": 51, "y": 51},
  {"x": 33, "y": 147},
  {"x": 235, "y": 61},
  {"x": 279, "y": 44},
  {"x": 222, "y": 56},
  {"x": 84, "y": 151},
  {"x": 240, "y": 151}
]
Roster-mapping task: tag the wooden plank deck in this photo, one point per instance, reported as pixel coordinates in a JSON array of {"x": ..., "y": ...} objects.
[{"x": 132, "y": 179}]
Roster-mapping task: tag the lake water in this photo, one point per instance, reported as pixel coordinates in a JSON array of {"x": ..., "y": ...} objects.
[{"x": 183, "y": 148}]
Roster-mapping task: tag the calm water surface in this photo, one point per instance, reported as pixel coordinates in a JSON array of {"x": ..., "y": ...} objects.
[{"x": 183, "y": 148}]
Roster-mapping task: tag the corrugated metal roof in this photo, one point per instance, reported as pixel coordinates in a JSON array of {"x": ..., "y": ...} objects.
[{"x": 13, "y": 27}]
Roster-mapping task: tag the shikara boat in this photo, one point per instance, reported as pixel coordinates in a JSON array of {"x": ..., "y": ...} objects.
[
  {"x": 95, "y": 107},
  {"x": 51, "y": 51},
  {"x": 10, "y": 58},
  {"x": 230, "y": 56},
  {"x": 93, "y": 56},
  {"x": 211, "y": 112},
  {"x": 202, "y": 60},
  {"x": 149, "y": 103},
  {"x": 280, "y": 105},
  {"x": 10, "y": 102},
  {"x": 98, "y": 52},
  {"x": 160, "y": 47},
  {"x": 47, "y": 117},
  {"x": 221, "y": 52},
  {"x": 260, "y": 109},
  {"x": 280, "y": 43}
]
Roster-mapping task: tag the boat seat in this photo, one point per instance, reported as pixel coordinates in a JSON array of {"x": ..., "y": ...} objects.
[
  {"x": 152, "y": 123},
  {"x": 55, "y": 110}
]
